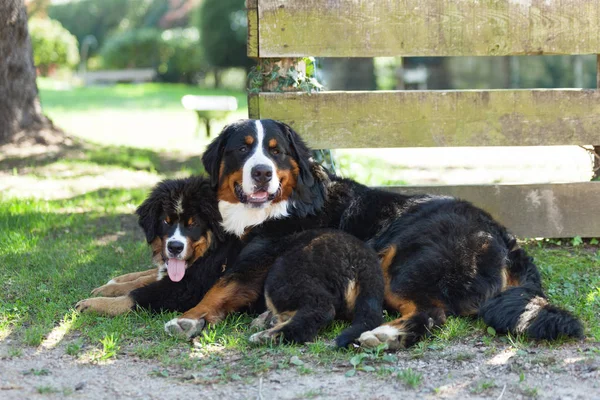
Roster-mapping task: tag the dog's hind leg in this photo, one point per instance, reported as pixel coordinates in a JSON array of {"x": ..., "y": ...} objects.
[{"x": 301, "y": 326}]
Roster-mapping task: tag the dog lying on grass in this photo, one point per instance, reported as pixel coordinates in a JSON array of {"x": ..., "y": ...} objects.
[
  {"x": 323, "y": 274},
  {"x": 316, "y": 275}
]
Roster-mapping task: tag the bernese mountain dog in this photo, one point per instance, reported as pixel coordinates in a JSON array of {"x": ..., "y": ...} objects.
[
  {"x": 190, "y": 251},
  {"x": 439, "y": 255},
  {"x": 323, "y": 274}
]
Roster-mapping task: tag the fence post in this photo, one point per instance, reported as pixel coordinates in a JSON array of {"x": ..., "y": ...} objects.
[{"x": 596, "y": 151}]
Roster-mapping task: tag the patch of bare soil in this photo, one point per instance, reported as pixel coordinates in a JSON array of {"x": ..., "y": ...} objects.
[{"x": 459, "y": 371}]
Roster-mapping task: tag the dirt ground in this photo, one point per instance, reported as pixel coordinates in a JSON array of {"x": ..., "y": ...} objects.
[{"x": 458, "y": 371}]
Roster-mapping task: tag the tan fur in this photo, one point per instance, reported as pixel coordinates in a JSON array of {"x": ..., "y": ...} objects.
[
  {"x": 352, "y": 291},
  {"x": 288, "y": 179},
  {"x": 123, "y": 288},
  {"x": 201, "y": 246},
  {"x": 110, "y": 306},
  {"x": 226, "y": 191},
  {"x": 134, "y": 275},
  {"x": 223, "y": 298}
]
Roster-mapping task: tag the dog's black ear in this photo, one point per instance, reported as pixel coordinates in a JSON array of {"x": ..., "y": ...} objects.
[
  {"x": 309, "y": 194},
  {"x": 211, "y": 159},
  {"x": 149, "y": 213},
  {"x": 300, "y": 152}
]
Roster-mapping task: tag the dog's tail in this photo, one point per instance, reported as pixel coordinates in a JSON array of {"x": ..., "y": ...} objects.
[
  {"x": 368, "y": 314},
  {"x": 524, "y": 309}
]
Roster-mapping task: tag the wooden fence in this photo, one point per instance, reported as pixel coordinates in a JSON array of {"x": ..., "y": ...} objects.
[{"x": 366, "y": 28}]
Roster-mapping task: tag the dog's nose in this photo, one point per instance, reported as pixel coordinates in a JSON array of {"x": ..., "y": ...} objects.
[
  {"x": 261, "y": 173},
  {"x": 175, "y": 247}
]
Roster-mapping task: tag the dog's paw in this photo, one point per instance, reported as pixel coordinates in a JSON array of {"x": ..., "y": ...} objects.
[
  {"x": 109, "y": 290},
  {"x": 263, "y": 337},
  {"x": 387, "y": 334},
  {"x": 263, "y": 321},
  {"x": 106, "y": 305},
  {"x": 184, "y": 327},
  {"x": 84, "y": 305}
]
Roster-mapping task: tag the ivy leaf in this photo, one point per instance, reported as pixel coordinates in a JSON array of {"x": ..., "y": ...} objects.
[
  {"x": 296, "y": 361},
  {"x": 357, "y": 359},
  {"x": 350, "y": 373}
]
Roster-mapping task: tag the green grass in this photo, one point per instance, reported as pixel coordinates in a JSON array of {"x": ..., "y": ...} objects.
[
  {"x": 53, "y": 255},
  {"x": 410, "y": 378},
  {"x": 54, "y": 252},
  {"x": 148, "y": 115}
]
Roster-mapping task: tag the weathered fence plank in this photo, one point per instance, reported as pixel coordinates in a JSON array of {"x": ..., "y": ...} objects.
[
  {"x": 367, "y": 28},
  {"x": 252, "y": 42},
  {"x": 540, "y": 210},
  {"x": 438, "y": 118}
]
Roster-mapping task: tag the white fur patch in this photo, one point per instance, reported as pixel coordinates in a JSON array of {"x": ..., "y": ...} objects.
[
  {"x": 257, "y": 158},
  {"x": 177, "y": 237},
  {"x": 382, "y": 334},
  {"x": 161, "y": 271},
  {"x": 238, "y": 216},
  {"x": 184, "y": 327},
  {"x": 386, "y": 332}
]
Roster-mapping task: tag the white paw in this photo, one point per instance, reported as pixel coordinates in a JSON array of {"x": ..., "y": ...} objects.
[
  {"x": 184, "y": 327},
  {"x": 263, "y": 337},
  {"x": 382, "y": 334},
  {"x": 111, "y": 282},
  {"x": 263, "y": 321}
]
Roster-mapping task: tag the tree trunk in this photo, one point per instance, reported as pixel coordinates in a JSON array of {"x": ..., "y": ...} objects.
[{"x": 21, "y": 117}]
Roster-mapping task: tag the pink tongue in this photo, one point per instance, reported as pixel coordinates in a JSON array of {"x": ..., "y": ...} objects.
[
  {"x": 176, "y": 269},
  {"x": 259, "y": 196}
]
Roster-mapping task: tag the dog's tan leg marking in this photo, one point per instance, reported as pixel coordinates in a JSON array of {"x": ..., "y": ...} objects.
[
  {"x": 133, "y": 276},
  {"x": 106, "y": 305},
  {"x": 224, "y": 297},
  {"x": 123, "y": 288}
]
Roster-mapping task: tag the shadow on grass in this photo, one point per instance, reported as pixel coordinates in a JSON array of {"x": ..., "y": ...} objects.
[
  {"x": 115, "y": 156},
  {"x": 53, "y": 259}
]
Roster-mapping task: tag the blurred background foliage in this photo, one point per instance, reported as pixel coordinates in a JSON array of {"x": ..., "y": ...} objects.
[{"x": 198, "y": 41}]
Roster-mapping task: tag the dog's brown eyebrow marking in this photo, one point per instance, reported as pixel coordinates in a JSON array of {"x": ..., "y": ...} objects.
[
  {"x": 190, "y": 221},
  {"x": 168, "y": 219},
  {"x": 249, "y": 140},
  {"x": 273, "y": 142}
]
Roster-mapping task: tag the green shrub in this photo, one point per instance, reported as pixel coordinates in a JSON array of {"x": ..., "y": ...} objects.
[
  {"x": 223, "y": 32},
  {"x": 52, "y": 45},
  {"x": 101, "y": 18},
  {"x": 140, "y": 48},
  {"x": 185, "y": 58}
]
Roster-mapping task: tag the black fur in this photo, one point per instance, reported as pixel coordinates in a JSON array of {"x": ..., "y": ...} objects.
[
  {"x": 198, "y": 201},
  {"x": 311, "y": 278},
  {"x": 509, "y": 310},
  {"x": 451, "y": 257}
]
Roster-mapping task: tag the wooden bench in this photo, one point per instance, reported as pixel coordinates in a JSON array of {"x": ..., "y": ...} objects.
[
  {"x": 283, "y": 31},
  {"x": 208, "y": 108}
]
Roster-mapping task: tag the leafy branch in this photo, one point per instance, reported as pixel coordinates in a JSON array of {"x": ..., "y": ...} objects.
[{"x": 268, "y": 73}]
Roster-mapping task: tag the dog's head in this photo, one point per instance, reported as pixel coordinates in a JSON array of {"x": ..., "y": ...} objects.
[
  {"x": 181, "y": 221},
  {"x": 261, "y": 169}
]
